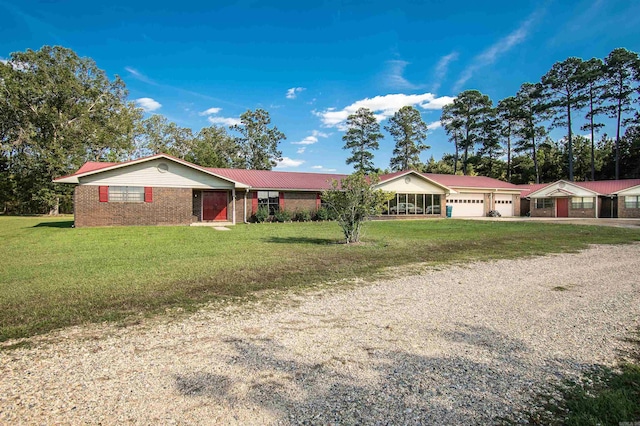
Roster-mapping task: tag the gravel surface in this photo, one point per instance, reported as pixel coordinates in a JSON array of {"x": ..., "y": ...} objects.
[{"x": 459, "y": 345}]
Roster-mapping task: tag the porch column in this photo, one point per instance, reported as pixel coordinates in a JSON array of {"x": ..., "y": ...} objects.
[{"x": 233, "y": 206}]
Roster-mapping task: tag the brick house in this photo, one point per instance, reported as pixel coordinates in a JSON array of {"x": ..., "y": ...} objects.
[
  {"x": 604, "y": 199},
  {"x": 164, "y": 190}
]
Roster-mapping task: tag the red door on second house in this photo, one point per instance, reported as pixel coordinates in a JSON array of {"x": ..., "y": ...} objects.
[
  {"x": 563, "y": 207},
  {"x": 214, "y": 205}
]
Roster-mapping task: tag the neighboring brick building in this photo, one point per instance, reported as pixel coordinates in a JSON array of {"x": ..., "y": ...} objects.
[
  {"x": 163, "y": 190},
  {"x": 605, "y": 199}
]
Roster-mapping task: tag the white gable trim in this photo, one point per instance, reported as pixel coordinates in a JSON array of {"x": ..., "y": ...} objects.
[
  {"x": 562, "y": 188},
  {"x": 634, "y": 190},
  {"x": 445, "y": 189}
]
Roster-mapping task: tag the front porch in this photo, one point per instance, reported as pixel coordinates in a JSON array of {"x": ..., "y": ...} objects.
[{"x": 213, "y": 207}]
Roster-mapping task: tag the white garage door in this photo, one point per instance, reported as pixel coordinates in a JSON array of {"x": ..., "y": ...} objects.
[
  {"x": 466, "y": 205},
  {"x": 504, "y": 204}
]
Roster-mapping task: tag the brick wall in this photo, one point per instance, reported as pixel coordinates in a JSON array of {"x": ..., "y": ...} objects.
[
  {"x": 196, "y": 211},
  {"x": 548, "y": 212},
  {"x": 624, "y": 212},
  {"x": 486, "y": 204},
  {"x": 516, "y": 205},
  {"x": 170, "y": 206},
  {"x": 296, "y": 201},
  {"x": 581, "y": 212}
]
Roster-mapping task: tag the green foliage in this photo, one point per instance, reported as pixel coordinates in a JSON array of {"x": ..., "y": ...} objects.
[
  {"x": 592, "y": 77},
  {"x": 621, "y": 82},
  {"x": 361, "y": 138},
  {"x": 159, "y": 135},
  {"x": 507, "y": 115},
  {"x": 282, "y": 216},
  {"x": 58, "y": 110},
  {"x": 257, "y": 143},
  {"x": 262, "y": 214},
  {"x": 213, "y": 147},
  {"x": 564, "y": 89},
  {"x": 323, "y": 214},
  {"x": 463, "y": 121},
  {"x": 603, "y": 397},
  {"x": 302, "y": 216},
  {"x": 354, "y": 201},
  {"x": 409, "y": 131}
]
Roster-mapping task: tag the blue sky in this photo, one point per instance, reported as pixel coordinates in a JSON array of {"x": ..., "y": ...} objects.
[{"x": 312, "y": 63}]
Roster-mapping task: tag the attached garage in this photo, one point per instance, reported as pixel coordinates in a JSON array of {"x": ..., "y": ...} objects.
[
  {"x": 466, "y": 205},
  {"x": 504, "y": 204}
]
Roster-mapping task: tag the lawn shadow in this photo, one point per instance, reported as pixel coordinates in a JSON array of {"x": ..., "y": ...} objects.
[
  {"x": 301, "y": 240},
  {"x": 60, "y": 224}
]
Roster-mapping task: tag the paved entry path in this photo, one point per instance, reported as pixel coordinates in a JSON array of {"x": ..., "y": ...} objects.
[{"x": 459, "y": 345}]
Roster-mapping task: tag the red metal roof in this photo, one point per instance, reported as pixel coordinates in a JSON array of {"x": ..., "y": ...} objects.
[
  {"x": 527, "y": 189},
  {"x": 267, "y": 179},
  {"x": 90, "y": 166},
  {"x": 607, "y": 187}
]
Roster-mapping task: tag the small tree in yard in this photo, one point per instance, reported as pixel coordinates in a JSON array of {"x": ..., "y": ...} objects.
[{"x": 354, "y": 201}]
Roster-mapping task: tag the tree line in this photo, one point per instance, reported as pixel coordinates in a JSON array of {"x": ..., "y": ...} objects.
[
  {"x": 511, "y": 141},
  {"x": 59, "y": 110},
  {"x": 573, "y": 92}
]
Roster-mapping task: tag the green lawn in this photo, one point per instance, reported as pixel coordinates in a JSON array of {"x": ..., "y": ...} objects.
[{"x": 52, "y": 275}]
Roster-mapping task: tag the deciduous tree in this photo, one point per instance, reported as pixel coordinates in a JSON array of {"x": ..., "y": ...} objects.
[
  {"x": 258, "y": 143},
  {"x": 354, "y": 200},
  {"x": 61, "y": 110},
  {"x": 213, "y": 147}
]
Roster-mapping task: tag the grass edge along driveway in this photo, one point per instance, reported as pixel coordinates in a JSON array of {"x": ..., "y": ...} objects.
[{"x": 53, "y": 276}]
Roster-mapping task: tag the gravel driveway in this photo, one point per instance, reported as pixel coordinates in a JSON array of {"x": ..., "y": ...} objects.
[{"x": 460, "y": 345}]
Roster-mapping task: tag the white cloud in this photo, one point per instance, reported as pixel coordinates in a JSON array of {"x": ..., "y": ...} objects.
[
  {"x": 211, "y": 111},
  {"x": 382, "y": 106},
  {"x": 287, "y": 162},
  {"x": 134, "y": 72},
  {"x": 301, "y": 150},
  {"x": 322, "y": 168},
  {"x": 490, "y": 55},
  {"x": 311, "y": 139},
  {"x": 434, "y": 125},
  {"x": 293, "y": 92},
  {"x": 214, "y": 119},
  {"x": 148, "y": 104},
  {"x": 225, "y": 121},
  {"x": 441, "y": 69},
  {"x": 3, "y": 60}
]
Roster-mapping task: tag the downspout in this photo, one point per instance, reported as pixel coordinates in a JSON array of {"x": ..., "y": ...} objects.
[
  {"x": 596, "y": 202},
  {"x": 233, "y": 206},
  {"x": 244, "y": 210}
]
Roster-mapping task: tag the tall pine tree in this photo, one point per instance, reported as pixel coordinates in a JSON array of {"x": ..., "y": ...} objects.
[
  {"x": 361, "y": 138},
  {"x": 410, "y": 132}
]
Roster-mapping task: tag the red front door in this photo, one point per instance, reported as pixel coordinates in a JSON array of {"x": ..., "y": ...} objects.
[
  {"x": 563, "y": 207},
  {"x": 214, "y": 206}
]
